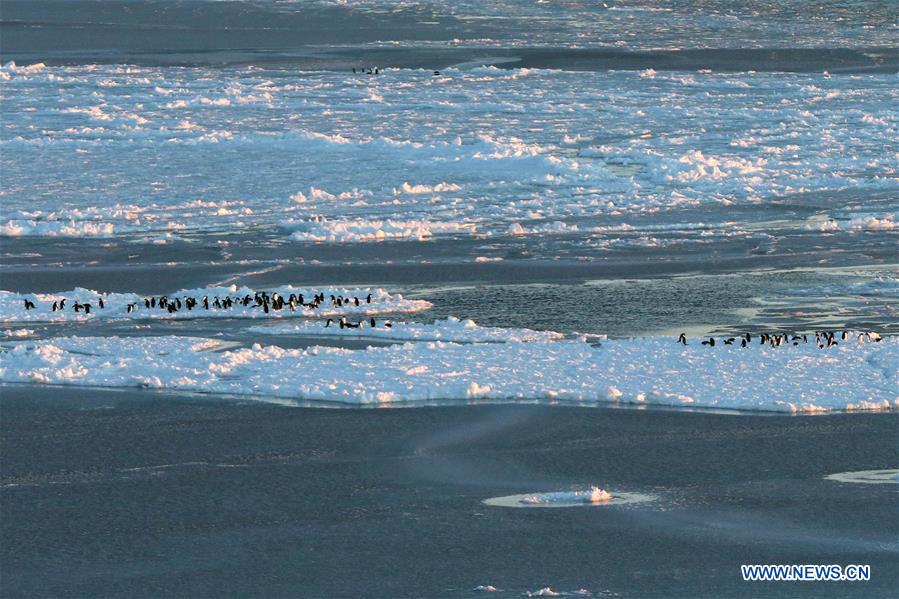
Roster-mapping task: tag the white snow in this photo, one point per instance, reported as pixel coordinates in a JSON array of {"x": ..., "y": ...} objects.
[
  {"x": 360, "y": 230},
  {"x": 12, "y": 305},
  {"x": 453, "y": 169},
  {"x": 18, "y": 332},
  {"x": 544, "y": 592},
  {"x": 451, "y": 330},
  {"x": 645, "y": 371}
]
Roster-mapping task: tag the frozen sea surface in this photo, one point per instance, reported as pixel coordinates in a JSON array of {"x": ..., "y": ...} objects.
[
  {"x": 546, "y": 170},
  {"x": 603, "y": 160}
]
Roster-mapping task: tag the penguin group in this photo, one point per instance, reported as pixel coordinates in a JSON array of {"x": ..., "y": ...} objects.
[
  {"x": 267, "y": 302},
  {"x": 822, "y": 339},
  {"x": 345, "y": 324},
  {"x": 367, "y": 71}
]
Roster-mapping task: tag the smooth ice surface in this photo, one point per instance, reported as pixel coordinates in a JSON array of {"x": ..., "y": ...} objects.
[
  {"x": 851, "y": 376},
  {"x": 116, "y": 304},
  {"x": 452, "y": 330}
]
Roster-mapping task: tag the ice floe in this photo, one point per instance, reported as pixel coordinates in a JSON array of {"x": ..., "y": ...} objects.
[
  {"x": 440, "y": 162},
  {"x": 116, "y": 305},
  {"x": 586, "y": 497},
  {"x": 652, "y": 371},
  {"x": 361, "y": 230},
  {"x": 593, "y": 495},
  {"x": 451, "y": 330},
  {"x": 867, "y": 477}
]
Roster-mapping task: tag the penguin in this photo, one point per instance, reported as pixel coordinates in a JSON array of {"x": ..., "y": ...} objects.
[
  {"x": 62, "y": 303},
  {"x": 682, "y": 338},
  {"x": 729, "y": 341},
  {"x": 356, "y": 300},
  {"x": 710, "y": 342},
  {"x": 368, "y": 299},
  {"x": 100, "y": 303},
  {"x": 372, "y": 321},
  {"x": 327, "y": 324},
  {"x": 87, "y": 308},
  {"x": 55, "y": 306},
  {"x": 742, "y": 343},
  {"x": 130, "y": 308},
  {"x": 29, "y": 305},
  {"x": 344, "y": 323}
]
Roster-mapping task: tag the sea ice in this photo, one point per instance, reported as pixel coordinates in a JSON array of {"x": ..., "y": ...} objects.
[
  {"x": 652, "y": 371},
  {"x": 116, "y": 304},
  {"x": 452, "y": 330}
]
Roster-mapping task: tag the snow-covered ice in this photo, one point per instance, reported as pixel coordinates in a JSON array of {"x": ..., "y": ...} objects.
[
  {"x": 341, "y": 168},
  {"x": 116, "y": 304},
  {"x": 652, "y": 371},
  {"x": 451, "y": 330}
]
